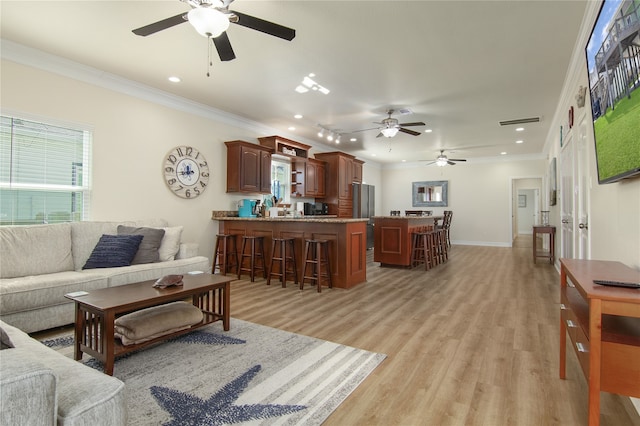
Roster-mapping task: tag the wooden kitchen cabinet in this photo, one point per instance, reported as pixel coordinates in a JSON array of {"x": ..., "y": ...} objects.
[
  {"x": 307, "y": 178},
  {"x": 248, "y": 167},
  {"x": 315, "y": 178},
  {"x": 339, "y": 169},
  {"x": 357, "y": 170}
]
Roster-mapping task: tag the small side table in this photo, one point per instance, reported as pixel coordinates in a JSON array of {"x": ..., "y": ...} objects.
[{"x": 547, "y": 254}]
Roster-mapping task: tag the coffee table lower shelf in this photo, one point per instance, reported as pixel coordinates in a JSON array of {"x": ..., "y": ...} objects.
[{"x": 94, "y": 325}]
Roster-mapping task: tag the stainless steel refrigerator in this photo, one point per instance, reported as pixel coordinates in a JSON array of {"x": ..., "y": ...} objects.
[{"x": 364, "y": 205}]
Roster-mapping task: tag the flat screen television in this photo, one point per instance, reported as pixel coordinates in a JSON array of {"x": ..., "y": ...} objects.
[{"x": 613, "y": 61}]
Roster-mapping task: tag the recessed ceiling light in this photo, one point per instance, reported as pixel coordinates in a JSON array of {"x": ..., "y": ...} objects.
[
  {"x": 520, "y": 129},
  {"x": 298, "y": 116},
  {"x": 404, "y": 161},
  {"x": 292, "y": 128},
  {"x": 373, "y": 155},
  {"x": 503, "y": 153},
  {"x": 174, "y": 79},
  {"x": 520, "y": 141},
  {"x": 428, "y": 131},
  {"x": 301, "y": 89},
  {"x": 311, "y": 75},
  {"x": 353, "y": 139}
]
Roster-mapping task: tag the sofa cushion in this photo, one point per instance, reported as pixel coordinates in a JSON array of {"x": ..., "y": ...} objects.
[
  {"x": 35, "y": 250},
  {"x": 5, "y": 340},
  {"x": 85, "y": 236},
  {"x": 113, "y": 251},
  {"x": 39, "y": 291},
  {"x": 170, "y": 243},
  {"x": 146, "y": 324},
  {"x": 148, "y": 250}
]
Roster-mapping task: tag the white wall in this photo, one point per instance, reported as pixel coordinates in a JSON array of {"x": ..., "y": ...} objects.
[
  {"x": 130, "y": 139},
  {"x": 479, "y": 195},
  {"x": 614, "y": 216}
]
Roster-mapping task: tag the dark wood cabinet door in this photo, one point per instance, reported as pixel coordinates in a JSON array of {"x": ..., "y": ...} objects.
[
  {"x": 345, "y": 177},
  {"x": 320, "y": 180},
  {"x": 250, "y": 177},
  {"x": 311, "y": 179},
  {"x": 265, "y": 172}
]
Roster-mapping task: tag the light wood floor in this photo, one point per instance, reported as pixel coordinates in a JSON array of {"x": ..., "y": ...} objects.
[{"x": 471, "y": 342}]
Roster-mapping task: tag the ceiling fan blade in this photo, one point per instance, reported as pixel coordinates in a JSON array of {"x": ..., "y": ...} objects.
[
  {"x": 379, "y": 135},
  {"x": 408, "y": 131},
  {"x": 267, "y": 27},
  {"x": 457, "y": 159},
  {"x": 428, "y": 164},
  {"x": 364, "y": 130},
  {"x": 160, "y": 25},
  {"x": 417, "y": 123},
  {"x": 223, "y": 46},
  {"x": 451, "y": 163}
]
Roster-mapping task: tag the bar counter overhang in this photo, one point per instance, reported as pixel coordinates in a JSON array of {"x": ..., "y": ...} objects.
[
  {"x": 392, "y": 237},
  {"x": 348, "y": 240}
]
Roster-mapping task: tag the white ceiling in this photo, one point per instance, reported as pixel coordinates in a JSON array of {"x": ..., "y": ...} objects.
[{"x": 459, "y": 66}]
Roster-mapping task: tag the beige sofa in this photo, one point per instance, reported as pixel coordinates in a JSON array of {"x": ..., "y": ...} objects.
[
  {"x": 39, "y": 264},
  {"x": 43, "y": 387}
]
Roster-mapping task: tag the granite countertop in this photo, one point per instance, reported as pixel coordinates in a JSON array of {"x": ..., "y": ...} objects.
[
  {"x": 311, "y": 219},
  {"x": 403, "y": 217}
]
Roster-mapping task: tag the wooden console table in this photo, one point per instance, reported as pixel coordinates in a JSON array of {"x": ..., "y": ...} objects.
[
  {"x": 547, "y": 254},
  {"x": 603, "y": 324}
]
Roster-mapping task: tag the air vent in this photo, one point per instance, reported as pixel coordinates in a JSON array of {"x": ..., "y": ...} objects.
[
  {"x": 405, "y": 111},
  {"x": 520, "y": 121}
]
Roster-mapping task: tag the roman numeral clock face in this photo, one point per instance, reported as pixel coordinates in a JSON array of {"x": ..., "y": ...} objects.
[{"x": 186, "y": 171}]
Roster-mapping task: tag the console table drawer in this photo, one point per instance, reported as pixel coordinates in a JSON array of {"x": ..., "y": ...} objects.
[{"x": 581, "y": 347}]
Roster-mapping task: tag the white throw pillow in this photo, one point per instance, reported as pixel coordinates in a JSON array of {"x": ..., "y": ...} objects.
[{"x": 170, "y": 243}]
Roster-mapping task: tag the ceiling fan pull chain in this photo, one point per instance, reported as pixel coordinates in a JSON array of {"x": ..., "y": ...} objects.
[{"x": 209, "y": 62}]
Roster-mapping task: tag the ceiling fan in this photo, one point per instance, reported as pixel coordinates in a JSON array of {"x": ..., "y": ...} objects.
[
  {"x": 389, "y": 127},
  {"x": 442, "y": 160},
  {"x": 211, "y": 19}
]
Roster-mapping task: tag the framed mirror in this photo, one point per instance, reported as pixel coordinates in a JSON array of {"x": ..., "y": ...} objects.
[{"x": 431, "y": 193}]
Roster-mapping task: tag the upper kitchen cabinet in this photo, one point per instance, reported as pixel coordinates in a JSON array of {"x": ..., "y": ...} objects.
[
  {"x": 315, "y": 178},
  {"x": 357, "y": 170},
  {"x": 339, "y": 178},
  {"x": 248, "y": 167}
]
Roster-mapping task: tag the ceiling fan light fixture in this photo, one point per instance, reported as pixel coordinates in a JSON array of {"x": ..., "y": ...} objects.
[
  {"x": 208, "y": 22},
  {"x": 389, "y": 132},
  {"x": 441, "y": 162}
]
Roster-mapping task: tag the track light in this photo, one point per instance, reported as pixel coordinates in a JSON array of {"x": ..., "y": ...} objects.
[
  {"x": 338, "y": 139},
  {"x": 330, "y": 137},
  {"x": 321, "y": 132}
]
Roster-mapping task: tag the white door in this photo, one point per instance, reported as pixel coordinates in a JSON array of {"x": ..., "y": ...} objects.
[
  {"x": 567, "y": 198},
  {"x": 582, "y": 190}
]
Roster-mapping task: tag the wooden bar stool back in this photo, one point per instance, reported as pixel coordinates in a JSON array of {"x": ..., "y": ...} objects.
[
  {"x": 255, "y": 257},
  {"x": 286, "y": 262},
  {"x": 316, "y": 255},
  {"x": 225, "y": 255}
]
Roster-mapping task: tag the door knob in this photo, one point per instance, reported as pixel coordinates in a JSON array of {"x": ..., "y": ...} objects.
[{"x": 583, "y": 226}]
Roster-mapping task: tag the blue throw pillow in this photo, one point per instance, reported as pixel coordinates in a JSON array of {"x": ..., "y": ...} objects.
[{"x": 113, "y": 251}]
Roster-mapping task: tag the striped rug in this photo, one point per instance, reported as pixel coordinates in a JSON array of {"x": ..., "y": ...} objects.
[{"x": 251, "y": 374}]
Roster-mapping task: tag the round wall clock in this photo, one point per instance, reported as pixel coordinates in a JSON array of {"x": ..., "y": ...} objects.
[{"x": 186, "y": 171}]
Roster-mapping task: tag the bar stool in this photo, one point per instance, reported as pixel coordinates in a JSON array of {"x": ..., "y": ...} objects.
[
  {"x": 316, "y": 254},
  {"x": 283, "y": 260},
  {"x": 224, "y": 253},
  {"x": 441, "y": 252},
  {"x": 421, "y": 249},
  {"x": 256, "y": 253}
]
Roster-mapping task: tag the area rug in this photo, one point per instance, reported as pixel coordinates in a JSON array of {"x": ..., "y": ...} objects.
[{"x": 251, "y": 374}]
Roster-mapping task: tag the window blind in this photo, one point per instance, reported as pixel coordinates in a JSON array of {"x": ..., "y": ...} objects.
[{"x": 44, "y": 172}]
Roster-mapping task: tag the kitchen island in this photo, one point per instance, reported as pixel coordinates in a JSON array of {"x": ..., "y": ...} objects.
[
  {"x": 392, "y": 237},
  {"x": 347, "y": 240}
]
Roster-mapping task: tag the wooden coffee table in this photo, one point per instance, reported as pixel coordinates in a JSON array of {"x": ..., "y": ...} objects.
[{"x": 97, "y": 311}]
